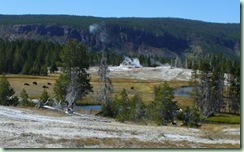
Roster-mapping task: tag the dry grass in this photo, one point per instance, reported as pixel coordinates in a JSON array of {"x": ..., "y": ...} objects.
[
  {"x": 144, "y": 87},
  {"x": 184, "y": 102},
  {"x": 34, "y": 91}
]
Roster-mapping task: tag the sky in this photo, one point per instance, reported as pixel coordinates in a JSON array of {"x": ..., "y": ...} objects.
[{"x": 218, "y": 11}]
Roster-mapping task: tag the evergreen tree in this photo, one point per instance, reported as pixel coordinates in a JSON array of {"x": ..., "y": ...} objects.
[
  {"x": 75, "y": 66},
  {"x": 60, "y": 87},
  {"x": 18, "y": 61},
  {"x": 26, "y": 68},
  {"x": 6, "y": 92},
  {"x": 25, "y": 99},
  {"x": 234, "y": 97},
  {"x": 137, "y": 108},
  {"x": 53, "y": 68},
  {"x": 217, "y": 87},
  {"x": 125, "y": 109},
  {"x": 163, "y": 104},
  {"x": 44, "y": 97},
  {"x": 44, "y": 70},
  {"x": 121, "y": 106}
]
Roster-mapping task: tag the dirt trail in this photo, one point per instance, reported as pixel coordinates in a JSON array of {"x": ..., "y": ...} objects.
[{"x": 25, "y": 129}]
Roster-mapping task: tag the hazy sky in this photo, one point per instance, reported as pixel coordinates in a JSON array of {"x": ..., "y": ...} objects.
[{"x": 223, "y": 11}]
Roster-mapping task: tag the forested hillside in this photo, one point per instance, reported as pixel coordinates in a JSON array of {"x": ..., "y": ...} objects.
[{"x": 166, "y": 37}]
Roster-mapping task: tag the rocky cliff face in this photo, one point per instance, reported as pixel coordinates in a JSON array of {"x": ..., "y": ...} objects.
[{"x": 115, "y": 38}]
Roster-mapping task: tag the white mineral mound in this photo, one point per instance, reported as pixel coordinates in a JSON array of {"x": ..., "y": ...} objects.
[
  {"x": 131, "y": 63},
  {"x": 132, "y": 69},
  {"x": 148, "y": 73}
]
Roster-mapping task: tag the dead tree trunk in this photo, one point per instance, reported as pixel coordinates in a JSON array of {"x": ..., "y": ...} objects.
[{"x": 105, "y": 82}]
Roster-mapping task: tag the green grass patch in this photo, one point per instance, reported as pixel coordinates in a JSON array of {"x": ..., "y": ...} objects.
[{"x": 224, "y": 119}]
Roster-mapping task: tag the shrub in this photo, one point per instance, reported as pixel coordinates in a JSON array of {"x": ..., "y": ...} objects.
[
  {"x": 163, "y": 105},
  {"x": 13, "y": 101},
  {"x": 44, "y": 97},
  {"x": 25, "y": 101},
  {"x": 125, "y": 109},
  {"x": 193, "y": 117},
  {"x": 6, "y": 93}
]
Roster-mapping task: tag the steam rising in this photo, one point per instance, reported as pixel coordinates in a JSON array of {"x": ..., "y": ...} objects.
[
  {"x": 94, "y": 28},
  {"x": 100, "y": 31},
  {"x": 131, "y": 63}
]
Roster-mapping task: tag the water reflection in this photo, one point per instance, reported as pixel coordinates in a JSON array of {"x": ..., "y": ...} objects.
[
  {"x": 183, "y": 92},
  {"x": 90, "y": 107}
]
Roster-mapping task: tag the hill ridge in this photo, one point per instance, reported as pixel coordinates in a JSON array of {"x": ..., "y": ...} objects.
[{"x": 147, "y": 36}]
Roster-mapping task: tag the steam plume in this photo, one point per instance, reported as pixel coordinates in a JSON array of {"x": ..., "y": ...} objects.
[
  {"x": 128, "y": 62},
  {"x": 100, "y": 31},
  {"x": 94, "y": 28}
]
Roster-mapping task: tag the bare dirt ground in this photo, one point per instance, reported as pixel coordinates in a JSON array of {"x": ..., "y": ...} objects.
[{"x": 23, "y": 128}]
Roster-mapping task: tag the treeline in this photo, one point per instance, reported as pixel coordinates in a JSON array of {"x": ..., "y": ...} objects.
[
  {"x": 27, "y": 56},
  {"x": 216, "y": 85},
  {"x": 33, "y": 57}
]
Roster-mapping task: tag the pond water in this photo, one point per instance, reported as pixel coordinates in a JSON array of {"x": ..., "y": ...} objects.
[
  {"x": 183, "y": 92},
  {"x": 90, "y": 107}
]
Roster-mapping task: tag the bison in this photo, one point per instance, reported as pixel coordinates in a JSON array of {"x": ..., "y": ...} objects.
[{"x": 45, "y": 87}]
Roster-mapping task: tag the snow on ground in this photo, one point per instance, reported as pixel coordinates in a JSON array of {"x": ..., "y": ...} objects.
[
  {"x": 148, "y": 73},
  {"x": 22, "y": 129}
]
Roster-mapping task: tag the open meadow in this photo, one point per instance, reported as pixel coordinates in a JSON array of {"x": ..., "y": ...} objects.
[{"x": 144, "y": 87}]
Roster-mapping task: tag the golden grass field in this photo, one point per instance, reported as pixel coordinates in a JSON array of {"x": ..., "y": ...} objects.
[
  {"x": 34, "y": 91},
  {"x": 144, "y": 87}
]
